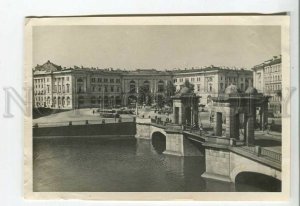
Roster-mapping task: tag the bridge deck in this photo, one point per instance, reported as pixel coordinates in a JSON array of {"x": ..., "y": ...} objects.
[{"x": 266, "y": 150}]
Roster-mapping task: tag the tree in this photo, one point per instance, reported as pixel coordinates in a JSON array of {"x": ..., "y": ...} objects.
[
  {"x": 144, "y": 95},
  {"x": 160, "y": 101},
  {"x": 170, "y": 91}
]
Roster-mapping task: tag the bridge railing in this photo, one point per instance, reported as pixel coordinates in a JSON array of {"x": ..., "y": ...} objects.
[
  {"x": 271, "y": 154},
  {"x": 263, "y": 152},
  {"x": 158, "y": 121},
  {"x": 84, "y": 122}
]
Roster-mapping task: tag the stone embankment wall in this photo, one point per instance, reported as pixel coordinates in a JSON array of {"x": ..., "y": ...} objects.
[{"x": 111, "y": 129}]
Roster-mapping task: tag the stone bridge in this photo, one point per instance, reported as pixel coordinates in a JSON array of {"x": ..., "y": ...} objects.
[
  {"x": 176, "y": 143},
  {"x": 225, "y": 163},
  {"x": 224, "y": 160}
]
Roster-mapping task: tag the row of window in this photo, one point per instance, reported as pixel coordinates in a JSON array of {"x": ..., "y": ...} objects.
[
  {"x": 275, "y": 99},
  {"x": 105, "y": 80},
  {"x": 210, "y": 88},
  {"x": 273, "y": 68},
  {"x": 99, "y": 89},
  {"x": 37, "y": 81},
  {"x": 273, "y": 78},
  {"x": 98, "y": 100},
  {"x": 59, "y": 88},
  {"x": 273, "y": 87},
  {"x": 58, "y": 79},
  {"x": 208, "y": 79},
  {"x": 60, "y": 100}
]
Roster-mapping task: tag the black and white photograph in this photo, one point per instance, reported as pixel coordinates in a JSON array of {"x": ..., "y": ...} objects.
[{"x": 159, "y": 104}]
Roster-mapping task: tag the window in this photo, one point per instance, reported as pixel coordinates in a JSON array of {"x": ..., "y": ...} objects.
[
  {"x": 99, "y": 80},
  {"x": 68, "y": 78},
  {"x": 118, "y": 80},
  {"x": 93, "y": 88},
  {"x": 93, "y": 79},
  {"x": 105, "y": 89},
  {"x": 118, "y": 89},
  {"x": 242, "y": 87},
  {"x": 55, "y": 88},
  {"x": 93, "y": 100},
  {"x": 99, "y": 88},
  {"x": 221, "y": 86},
  {"x": 132, "y": 86},
  {"x": 210, "y": 87},
  {"x": 112, "y": 80},
  {"x": 63, "y": 88},
  {"x": 68, "y": 88},
  {"x": 81, "y": 100},
  {"x": 147, "y": 85},
  {"x": 198, "y": 87},
  {"x": 112, "y": 88},
  {"x": 160, "y": 86},
  {"x": 59, "y": 88}
]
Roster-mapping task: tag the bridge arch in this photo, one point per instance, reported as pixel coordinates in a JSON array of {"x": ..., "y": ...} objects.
[
  {"x": 253, "y": 181},
  {"x": 158, "y": 140},
  {"x": 258, "y": 169}
]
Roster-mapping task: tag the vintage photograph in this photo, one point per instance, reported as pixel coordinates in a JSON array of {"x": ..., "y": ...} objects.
[{"x": 130, "y": 104}]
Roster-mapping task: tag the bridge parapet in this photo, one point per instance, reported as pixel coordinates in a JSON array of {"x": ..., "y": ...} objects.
[
  {"x": 224, "y": 160},
  {"x": 143, "y": 128}
]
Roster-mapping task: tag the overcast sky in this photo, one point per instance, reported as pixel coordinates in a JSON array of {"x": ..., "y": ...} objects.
[{"x": 160, "y": 47}]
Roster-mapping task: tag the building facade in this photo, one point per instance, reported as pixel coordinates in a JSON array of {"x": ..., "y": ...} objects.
[
  {"x": 267, "y": 78},
  {"x": 212, "y": 81},
  {"x": 78, "y": 87}
]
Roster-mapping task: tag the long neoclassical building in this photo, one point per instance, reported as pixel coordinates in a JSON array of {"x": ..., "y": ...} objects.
[{"x": 78, "y": 87}]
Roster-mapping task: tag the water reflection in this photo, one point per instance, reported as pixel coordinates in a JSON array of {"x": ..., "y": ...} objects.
[{"x": 118, "y": 164}]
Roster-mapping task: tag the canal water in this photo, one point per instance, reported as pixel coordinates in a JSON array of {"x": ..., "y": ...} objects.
[{"x": 117, "y": 165}]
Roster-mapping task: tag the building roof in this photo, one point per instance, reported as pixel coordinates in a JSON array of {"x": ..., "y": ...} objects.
[
  {"x": 48, "y": 67},
  {"x": 270, "y": 62},
  {"x": 210, "y": 69}
]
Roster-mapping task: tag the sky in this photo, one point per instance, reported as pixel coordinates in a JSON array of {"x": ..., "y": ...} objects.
[{"x": 160, "y": 47}]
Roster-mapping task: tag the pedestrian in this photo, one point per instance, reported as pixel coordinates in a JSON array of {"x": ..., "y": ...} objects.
[
  {"x": 268, "y": 127},
  {"x": 201, "y": 128}
]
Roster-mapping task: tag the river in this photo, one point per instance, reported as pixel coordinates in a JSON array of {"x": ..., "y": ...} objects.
[{"x": 117, "y": 165}]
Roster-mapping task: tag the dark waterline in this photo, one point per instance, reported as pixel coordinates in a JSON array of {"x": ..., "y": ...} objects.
[{"x": 118, "y": 165}]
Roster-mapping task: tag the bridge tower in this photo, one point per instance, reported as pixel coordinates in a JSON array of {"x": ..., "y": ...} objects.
[
  {"x": 185, "y": 107},
  {"x": 185, "y": 114},
  {"x": 234, "y": 124}
]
